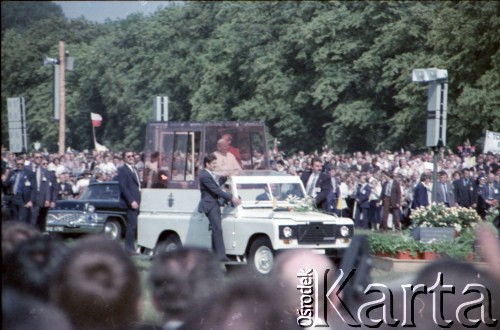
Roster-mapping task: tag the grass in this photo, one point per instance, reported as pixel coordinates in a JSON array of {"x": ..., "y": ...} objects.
[{"x": 148, "y": 312}]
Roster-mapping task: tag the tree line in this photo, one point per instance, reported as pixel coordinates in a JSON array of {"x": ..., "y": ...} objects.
[{"x": 317, "y": 73}]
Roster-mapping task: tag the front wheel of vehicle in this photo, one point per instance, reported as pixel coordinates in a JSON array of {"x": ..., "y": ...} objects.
[
  {"x": 171, "y": 243},
  {"x": 261, "y": 256},
  {"x": 113, "y": 230}
]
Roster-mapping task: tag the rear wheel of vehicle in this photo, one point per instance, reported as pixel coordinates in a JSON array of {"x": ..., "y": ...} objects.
[
  {"x": 113, "y": 230},
  {"x": 171, "y": 243},
  {"x": 261, "y": 256}
]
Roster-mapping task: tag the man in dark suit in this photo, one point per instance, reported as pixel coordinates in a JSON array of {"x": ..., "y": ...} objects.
[
  {"x": 362, "y": 202},
  {"x": 53, "y": 190},
  {"x": 209, "y": 203},
  {"x": 265, "y": 196},
  {"x": 391, "y": 192},
  {"x": 65, "y": 186},
  {"x": 318, "y": 185},
  {"x": 42, "y": 190},
  {"x": 490, "y": 192},
  {"x": 465, "y": 190},
  {"x": 130, "y": 197},
  {"x": 420, "y": 195},
  {"x": 21, "y": 184}
]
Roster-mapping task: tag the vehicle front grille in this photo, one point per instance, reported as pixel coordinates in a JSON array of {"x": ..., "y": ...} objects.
[
  {"x": 316, "y": 233},
  {"x": 64, "y": 217}
]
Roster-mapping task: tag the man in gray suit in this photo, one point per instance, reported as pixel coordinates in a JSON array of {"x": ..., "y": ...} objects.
[
  {"x": 43, "y": 192},
  {"x": 444, "y": 191},
  {"x": 210, "y": 194}
]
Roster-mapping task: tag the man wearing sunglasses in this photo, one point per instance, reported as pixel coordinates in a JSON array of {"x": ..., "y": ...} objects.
[
  {"x": 54, "y": 190},
  {"x": 20, "y": 183},
  {"x": 44, "y": 192},
  {"x": 130, "y": 197}
]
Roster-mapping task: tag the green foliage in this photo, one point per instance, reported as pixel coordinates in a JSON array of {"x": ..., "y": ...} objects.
[
  {"x": 19, "y": 15},
  {"x": 317, "y": 73},
  {"x": 392, "y": 243}
]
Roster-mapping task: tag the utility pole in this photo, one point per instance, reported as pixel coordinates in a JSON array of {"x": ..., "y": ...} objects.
[
  {"x": 437, "y": 99},
  {"x": 61, "y": 64},
  {"x": 62, "y": 99}
]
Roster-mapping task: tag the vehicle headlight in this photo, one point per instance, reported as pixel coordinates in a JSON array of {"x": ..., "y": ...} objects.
[
  {"x": 83, "y": 218},
  {"x": 344, "y": 231},
  {"x": 287, "y": 232}
]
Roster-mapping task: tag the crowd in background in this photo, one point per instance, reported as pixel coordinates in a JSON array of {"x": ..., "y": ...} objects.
[
  {"x": 73, "y": 172},
  {"x": 94, "y": 284}
]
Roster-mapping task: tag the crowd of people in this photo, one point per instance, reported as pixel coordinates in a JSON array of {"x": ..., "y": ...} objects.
[
  {"x": 94, "y": 284},
  {"x": 359, "y": 187}
]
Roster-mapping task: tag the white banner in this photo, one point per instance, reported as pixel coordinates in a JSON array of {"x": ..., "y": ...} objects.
[{"x": 492, "y": 142}]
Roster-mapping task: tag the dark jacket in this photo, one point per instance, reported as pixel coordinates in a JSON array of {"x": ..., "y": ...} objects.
[
  {"x": 210, "y": 192},
  {"x": 363, "y": 195},
  {"x": 465, "y": 192},
  {"x": 323, "y": 187},
  {"x": 27, "y": 184},
  {"x": 420, "y": 196},
  {"x": 129, "y": 187}
]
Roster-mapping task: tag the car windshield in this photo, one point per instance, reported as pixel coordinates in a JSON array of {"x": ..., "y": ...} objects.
[
  {"x": 262, "y": 194},
  {"x": 102, "y": 192}
]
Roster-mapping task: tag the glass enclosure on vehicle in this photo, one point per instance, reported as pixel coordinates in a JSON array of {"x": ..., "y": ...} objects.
[
  {"x": 101, "y": 192},
  {"x": 269, "y": 191},
  {"x": 174, "y": 151}
]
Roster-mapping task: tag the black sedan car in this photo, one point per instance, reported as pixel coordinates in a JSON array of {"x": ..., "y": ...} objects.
[{"x": 96, "y": 211}]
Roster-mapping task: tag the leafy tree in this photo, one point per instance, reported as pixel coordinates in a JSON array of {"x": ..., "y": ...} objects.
[
  {"x": 21, "y": 14},
  {"x": 316, "y": 73}
]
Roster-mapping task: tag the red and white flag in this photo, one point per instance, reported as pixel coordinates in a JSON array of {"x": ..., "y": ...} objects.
[
  {"x": 275, "y": 146},
  {"x": 96, "y": 119}
]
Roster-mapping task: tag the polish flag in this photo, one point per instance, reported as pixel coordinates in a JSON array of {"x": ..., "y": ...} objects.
[
  {"x": 96, "y": 119},
  {"x": 275, "y": 146}
]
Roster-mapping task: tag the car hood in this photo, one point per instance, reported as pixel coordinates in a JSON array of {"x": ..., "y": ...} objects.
[
  {"x": 79, "y": 205},
  {"x": 299, "y": 216}
]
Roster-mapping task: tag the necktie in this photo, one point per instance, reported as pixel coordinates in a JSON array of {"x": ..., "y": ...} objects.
[
  {"x": 445, "y": 193},
  {"x": 16, "y": 183},
  {"x": 38, "y": 177},
  {"x": 136, "y": 175}
]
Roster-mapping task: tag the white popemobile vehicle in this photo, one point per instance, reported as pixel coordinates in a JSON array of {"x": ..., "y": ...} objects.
[{"x": 274, "y": 214}]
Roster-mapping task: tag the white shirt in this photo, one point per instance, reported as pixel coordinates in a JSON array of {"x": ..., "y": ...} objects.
[
  {"x": 227, "y": 162},
  {"x": 311, "y": 184}
]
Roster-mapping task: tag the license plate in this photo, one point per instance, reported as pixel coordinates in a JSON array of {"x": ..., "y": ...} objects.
[{"x": 56, "y": 228}]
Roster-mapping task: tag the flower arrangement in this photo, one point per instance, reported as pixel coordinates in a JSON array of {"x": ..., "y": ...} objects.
[
  {"x": 438, "y": 215},
  {"x": 300, "y": 204},
  {"x": 492, "y": 214}
]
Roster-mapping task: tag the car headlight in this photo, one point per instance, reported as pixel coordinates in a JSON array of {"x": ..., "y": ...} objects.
[
  {"x": 83, "y": 218},
  {"x": 287, "y": 232},
  {"x": 344, "y": 231}
]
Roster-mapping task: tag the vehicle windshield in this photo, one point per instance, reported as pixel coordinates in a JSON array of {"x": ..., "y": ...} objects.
[
  {"x": 266, "y": 194},
  {"x": 102, "y": 192}
]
